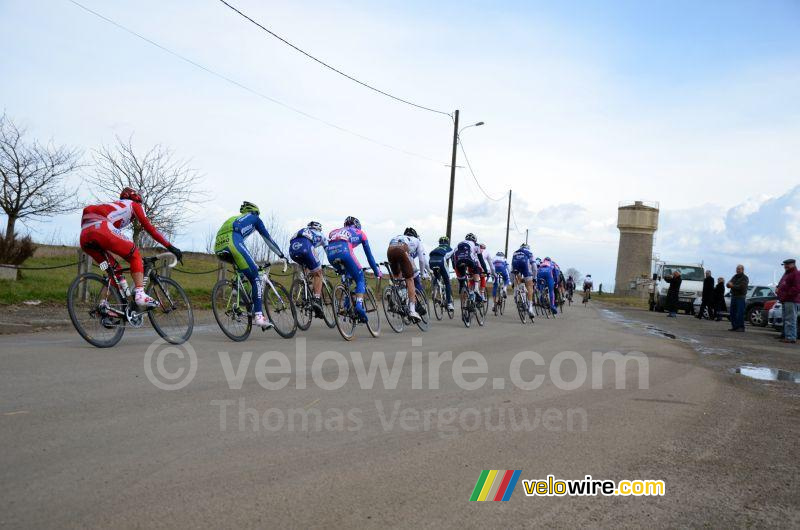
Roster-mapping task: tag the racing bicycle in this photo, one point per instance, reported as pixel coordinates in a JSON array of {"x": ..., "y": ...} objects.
[
  {"x": 100, "y": 308},
  {"x": 521, "y": 300},
  {"x": 439, "y": 299},
  {"x": 302, "y": 299},
  {"x": 394, "y": 299},
  {"x": 501, "y": 296},
  {"x": 470, "y": 305},
  {"x": 344, "y": 300}
]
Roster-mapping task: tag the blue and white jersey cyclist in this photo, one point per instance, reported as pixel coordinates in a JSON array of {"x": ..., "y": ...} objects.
[
  {"x": 341, "y": 254},
  {"x": 546, "y": 275},
  {"x": 501, "y": 270},
  {"x": 524, "y": 264},
  {"x": 305, "y": 248},
  {"x": 467, "y": 259}
]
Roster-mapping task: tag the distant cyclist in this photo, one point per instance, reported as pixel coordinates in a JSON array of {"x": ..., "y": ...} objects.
[
  {"x": 587, "y": 287},
  {"x": 523, "y": 263},
  {"x": 229, "y": 247},
  {"x": 402, "y": 252},
  {"x": 101, "y": 230},
  {"x": 304, "y": 249},
  {"x": 570, "y": 286},
  {"x": 500, "y": 265},
  {"x": 438, "y": 263},
  {"x": 547, "y": 275},
  {"x": 341, "y": 255},
  {"x": 467, "y": 263}
]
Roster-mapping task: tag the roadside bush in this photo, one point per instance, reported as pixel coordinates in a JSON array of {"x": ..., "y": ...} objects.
[{"x": 16, "y": 250}]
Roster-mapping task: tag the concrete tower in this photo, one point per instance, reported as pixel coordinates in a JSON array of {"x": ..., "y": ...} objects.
[{"x": 637, "y": 223}]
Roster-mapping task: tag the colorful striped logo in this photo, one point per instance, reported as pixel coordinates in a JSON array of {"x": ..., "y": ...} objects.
[{"x": 495, "y": 485}]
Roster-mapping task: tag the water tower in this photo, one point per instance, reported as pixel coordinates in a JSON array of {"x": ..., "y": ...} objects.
[{"x": 637, "y": 223}]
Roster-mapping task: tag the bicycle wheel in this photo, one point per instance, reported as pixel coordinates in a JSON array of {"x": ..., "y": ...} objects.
[
  {"x": 327, "y": 306},
  {"x": 425, "y": 321},
  {"x": 503, "y": 303},
  {"x": 230, "y": 311},
  {"x": 345, "y": 317},
  {"x": 390, "y": 309},
  {"x": 438, "y": 303},
  {"x": 521, "y": 309},
  {"x": 301, "y": 300},
  {"x": 466, "y": 314},
  {"x": 371, "y": 307},
  {"x": 173, "y": 319},
  {"x": 479, "y": 313},
  {"x": 92, "y": 322},
  {"x": 280, "y": 310},
  {"x": 484, "y": 307}
]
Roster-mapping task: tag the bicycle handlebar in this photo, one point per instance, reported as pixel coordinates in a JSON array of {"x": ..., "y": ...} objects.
[{"x": 173, "y": 259}]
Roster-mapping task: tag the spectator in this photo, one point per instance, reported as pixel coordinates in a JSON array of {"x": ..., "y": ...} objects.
[
  {"x": 719, "y": 299},
  {"x": 789, "y": 296},
  {"x": 707, "y": 301},
  {"x": 673, "y": 294},
  {"x": 738, "y": 286}
]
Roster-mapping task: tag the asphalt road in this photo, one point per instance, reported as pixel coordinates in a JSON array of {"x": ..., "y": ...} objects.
[{"x": 89, "y": 441}]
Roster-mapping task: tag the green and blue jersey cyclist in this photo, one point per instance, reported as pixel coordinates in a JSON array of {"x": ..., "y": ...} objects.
[
  {"x": 229, "y": 247},
  {"x": 438, "y": 263},
  {"x": 341, "y": 254}
]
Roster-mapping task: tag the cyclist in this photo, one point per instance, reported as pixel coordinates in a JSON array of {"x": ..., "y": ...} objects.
[
  {"x": 101, "y": 230},
  {"x": 587, "y": 287},
  {"x": 523, "y": 263},
  {"x": 546, "y": 275},
  {"x": 229, "y": 247},
  {"x": 402, "y": 252},
  {"x": 487, "y": 264},
  {"x": 467, "y": 263},
  {"x": 438, "y": 263},
  {"x": 303, "y": 249},
  {"x": 340, "y": 251},
  {"x": 500, "y": 265},
  {"x": 570, "y": 285}
]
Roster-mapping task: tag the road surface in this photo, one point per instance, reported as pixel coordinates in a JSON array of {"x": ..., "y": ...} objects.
[{"x": 89, "y": 441}]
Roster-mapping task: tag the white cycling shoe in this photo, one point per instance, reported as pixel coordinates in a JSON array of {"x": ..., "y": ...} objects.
[
  {"x": 146, "y": 302},
  {"x": 450, "y": 306},
  {"x": 413, "y": 315},
  {"x": 262, "y": 322}
]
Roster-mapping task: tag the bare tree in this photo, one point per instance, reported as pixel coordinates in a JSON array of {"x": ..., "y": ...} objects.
[
  {"x": 259, "y": 249},
  {"x": 169, "y": 187},
  {"x": 575, "y": 273},
  {"x": 33, "y": 176}
]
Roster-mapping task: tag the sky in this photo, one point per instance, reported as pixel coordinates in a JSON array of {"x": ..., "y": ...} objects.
[{"x": 690, "y": 104}]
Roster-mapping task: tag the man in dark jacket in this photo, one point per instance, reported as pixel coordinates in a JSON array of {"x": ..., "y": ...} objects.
[
  {"x": 673, "y": 293},
  {"x": 719, "y": 299},
  {"x": 707, "y": 301},
  {"x": 789, "y": 296},
  {"x": 738, "y": 286}
]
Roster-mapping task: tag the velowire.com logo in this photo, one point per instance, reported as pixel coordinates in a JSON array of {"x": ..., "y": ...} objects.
[{"x": 495, "y": 485}]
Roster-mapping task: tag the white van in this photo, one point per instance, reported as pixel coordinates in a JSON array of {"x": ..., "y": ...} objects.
[{"x": 692, "y": 275}]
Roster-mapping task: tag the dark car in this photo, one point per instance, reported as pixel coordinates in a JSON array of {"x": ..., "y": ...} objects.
[{"x": 755, "y": 305}]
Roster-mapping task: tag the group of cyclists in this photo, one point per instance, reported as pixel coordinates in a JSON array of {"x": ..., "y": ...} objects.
[{"x": 408, "y": 260}]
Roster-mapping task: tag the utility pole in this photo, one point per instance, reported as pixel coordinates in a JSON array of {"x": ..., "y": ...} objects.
[
  {"x": 508, "y": 220},
  {"x": 452, "y": 178},
  {"x": 526, "y": 236}
]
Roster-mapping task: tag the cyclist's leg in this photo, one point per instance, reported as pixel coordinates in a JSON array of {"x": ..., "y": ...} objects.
[
  {"x": 302, "y": 252},
  {"x": 245, "y": 264}
]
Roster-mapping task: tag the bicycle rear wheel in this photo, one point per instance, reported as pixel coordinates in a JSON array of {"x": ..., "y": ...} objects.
[
  {"x": 230, "y": 311},
  {"x": 521, "y": 309},
  {"x": 280, "y": 311},
  {"x": 391, "y": 310},
  {"x": 371, "y": 307},
  {"x": 301, "y": 300},
  {"x": 438, "y": 303},
  {"x": 343, "y": 309},
  {"x": 480, "y": 313},
  {"x": 173, "y": 319},
  {"x": 92, "y": 322},
  {"x": 327, "y": 306},
  {"x": 466, "y": 314},
  {"x": 425, "y": 321}
]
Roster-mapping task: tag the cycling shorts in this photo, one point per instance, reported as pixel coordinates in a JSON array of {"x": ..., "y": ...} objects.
[
  {"x": 400, "y": 261},
  {"x": 301, "y": 250},
  {"x": 522, "y": 267},
  {"x": 235, "y": 251},
  {"x": 344, "y": 260},
  {"x": 100, "y": 236},
  {"x": 467, "y": 266}
]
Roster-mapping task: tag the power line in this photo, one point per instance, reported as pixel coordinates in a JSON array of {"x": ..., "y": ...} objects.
[
  {"x": 252, "y": 90},
  {"x": 513, "y": 218},
  {"x": 328, "y": 66},
  {"x": 469, "y": 166}
]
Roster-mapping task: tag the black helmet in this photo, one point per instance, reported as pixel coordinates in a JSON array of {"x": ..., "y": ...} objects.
[
  {"x": 444, "y": 240},
  {"x": 315, "y": 225},
  {"x": 410, "y": 232},
  {"x": 352, "y": 221},
  {"x": 249, "y": 207},
  {"x": 471, "y": 237}
]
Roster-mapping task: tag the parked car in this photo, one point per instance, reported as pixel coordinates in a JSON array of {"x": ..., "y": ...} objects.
[
  {"x": 775, "y": 317},
  {"x": 756, "y": 296}
]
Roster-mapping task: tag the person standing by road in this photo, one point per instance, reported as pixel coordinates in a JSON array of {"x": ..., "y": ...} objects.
[
  {"x": 707, "y": 302},
  {"x": 789, "y": 296},
  {"x": 673, "y": 294},
  {"x": 719, "y": 299},
  {"x": 738, "y": 286}
]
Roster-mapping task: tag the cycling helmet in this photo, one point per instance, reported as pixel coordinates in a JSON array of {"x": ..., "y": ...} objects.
[
  {"x": 524, "y": 245},
  {"x": 130, "y": 194},
  {"x": 482, "y": 246},
  {"x": 352, "y": 221},
  {"x": 249, "y": 207},
  {"x": 501, "y": 254},
  {"x": 471, "y": 237},
  {"x": 444, "y": 240},
  {"x": 410, "y": 232},
  {"x": 315, "y": 225}
]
